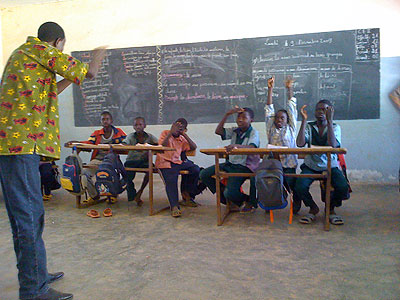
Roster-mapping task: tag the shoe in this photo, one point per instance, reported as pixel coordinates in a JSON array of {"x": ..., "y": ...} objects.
[
  {"x": 52, "y": 294},
  {"x": 55, "y": 276},
  {"x": 107, "y": 212},
  {"x": 188, "y": 200},
  {"x": 247, "y": 208},
  {"x": 190, "y": 203},
  {"x": 47, "y": 197},
  {"x": 233, "y": 207},
  {"x": 112, "y": 200},
  {"x": 93, "y": 213},
  {"x": 176, "y": 212}
]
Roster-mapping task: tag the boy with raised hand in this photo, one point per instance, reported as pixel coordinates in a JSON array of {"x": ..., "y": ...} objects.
[
  {"x": 281, "y": 131},
  {"x": 242, "y": 136},
  {"x": 322, "y": 132},
  {"x": 170, "y": 164},
  {"x": 30, "y": 131},
  {"x": 138, "y": 159}
]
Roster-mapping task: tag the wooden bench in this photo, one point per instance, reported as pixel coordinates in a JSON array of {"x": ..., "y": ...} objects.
[
  {"x": 326, "y": 176},
  {"x": 189, "y": 153}
]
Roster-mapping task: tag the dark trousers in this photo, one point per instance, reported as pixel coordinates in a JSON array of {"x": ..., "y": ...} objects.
[
  {"x": 188, "y": 184},
  {"x": 20, "y": 181},
  {"x": 130, "y": 187},
  {"x": 338, "y": 182},
  {"x": 232, "y": 190}
]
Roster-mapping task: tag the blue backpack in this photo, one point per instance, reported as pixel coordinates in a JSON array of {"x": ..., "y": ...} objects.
[
  {"x": 271, "y": 192},
  {"x": 71, "y": 174},
  {"x": 111, "y": 175}
]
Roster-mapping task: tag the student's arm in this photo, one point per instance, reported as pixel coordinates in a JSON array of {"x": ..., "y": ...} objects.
[
  {"x": 270, "y": 83},
  {"x": 289, "y": 86},
  {"x": 331, "y": 134},
  {"x": 164, "y": 138},
  {"x": 301, "y": 139},
  {"x": 153, "y": 140},
  {"x": 220, "y": 128},
  {"x": 269, "y": 107},
  {"x": 192, "y": 144},
  {"x": 395, "y": 97}
]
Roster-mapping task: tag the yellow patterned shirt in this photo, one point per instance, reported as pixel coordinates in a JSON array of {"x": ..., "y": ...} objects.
[{"x": 29, "y": 120}]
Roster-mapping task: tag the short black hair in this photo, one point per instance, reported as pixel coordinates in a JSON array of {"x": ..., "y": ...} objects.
[
  {"x": 327, "y": 102},
  {"x": 50, "y": 31},
  {"x": 249, "y": 111},
  {"x": 182, "y": 121},
  {"x": 139, "y": 118},
  {"x": 106, "y": 112}
]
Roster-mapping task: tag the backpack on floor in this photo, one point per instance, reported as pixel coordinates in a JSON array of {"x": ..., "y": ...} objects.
[
  {"x": 271, "y": 192},
  {"x": 111, "y": 175},
  {"x": 49, "y": 176},
  {"x": 71, "y": 174}
]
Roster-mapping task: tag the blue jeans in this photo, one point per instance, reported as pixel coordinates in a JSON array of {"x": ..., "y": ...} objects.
[{"x": 20, "y": 181}]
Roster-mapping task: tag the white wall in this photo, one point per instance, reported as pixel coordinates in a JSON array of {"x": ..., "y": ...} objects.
[{"x": 373, "y": 145}]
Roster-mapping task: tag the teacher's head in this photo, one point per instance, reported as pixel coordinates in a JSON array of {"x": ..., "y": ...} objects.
[{"x": 53, "y": 34}]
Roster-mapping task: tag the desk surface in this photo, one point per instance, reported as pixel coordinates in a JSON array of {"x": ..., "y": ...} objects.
[
  {"x": 120, "y": 147},
  {"x": 247, "y": 151}
]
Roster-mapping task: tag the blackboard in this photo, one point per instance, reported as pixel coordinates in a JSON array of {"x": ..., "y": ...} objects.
[{"x": 201, "y": 81}]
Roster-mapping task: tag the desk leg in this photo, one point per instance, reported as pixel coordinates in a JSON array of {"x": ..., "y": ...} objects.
[
  {"x": 328, "y": 192},
  {"x": 150, "y": 160},
  {"x": 218, "y": 190},
  {"x": 78, "y": 201}
]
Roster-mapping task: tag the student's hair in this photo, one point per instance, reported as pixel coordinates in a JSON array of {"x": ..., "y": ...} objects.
[
  {"x": 249, "y": 111},
  {"x": 284, "y": 111},
  {"x": 182, "y": 121},
  {"x": 327, "y": 102},
  {"x": 50, "y": 31},
  {"x": 106, "y": 113},
  {"x": 139, "y": 118}
]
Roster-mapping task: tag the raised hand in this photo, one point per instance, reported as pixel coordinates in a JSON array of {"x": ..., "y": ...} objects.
[
  {"x": 304, "y": 112},
  {"x": 271, "y": 82},
  {"x": 176, "y": 128},
  {"x": 289, "y": 82},
  {"x": 329, "y": 113},
  {"x": 235, "y": 110}
]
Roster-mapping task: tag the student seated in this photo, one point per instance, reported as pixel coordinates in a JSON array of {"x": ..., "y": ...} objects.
[
  {"x": 138, "y": 159},
  {"x": 243, "y": 136},
  {"x": 322, "y": 132},
  {"x": 281, "y": 131},
  {"x": 48, "y": 178},
  {"x": 107, "y": 135},
  {"x": 170, "y": 163}
]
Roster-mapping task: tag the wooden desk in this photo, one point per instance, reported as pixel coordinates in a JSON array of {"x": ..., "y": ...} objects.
[
  {"x": 221, "y": 153},
  {"x": 124, "y": 149}
]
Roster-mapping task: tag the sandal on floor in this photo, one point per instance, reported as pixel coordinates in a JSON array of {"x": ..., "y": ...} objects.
[
  {"x": 336, "y": 220},
  {"x": 176, "y": 212},
  {"x": 307, "y": 219},
  {"x": 93, "y": 213},
  {"x": 107, "y": 212}
]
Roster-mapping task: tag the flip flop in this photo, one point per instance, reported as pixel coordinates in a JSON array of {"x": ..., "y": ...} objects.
[
  {"x": 176, "y": 212},
  {"x": 107, "y": 212},
  {"x": 336, "y": 220},
  {"x": 307, "y": 219},
  {"x": 93, "y": 213}
]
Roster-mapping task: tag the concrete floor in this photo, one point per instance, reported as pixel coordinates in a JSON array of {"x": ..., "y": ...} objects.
[{"x": 134, "y": 256}]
